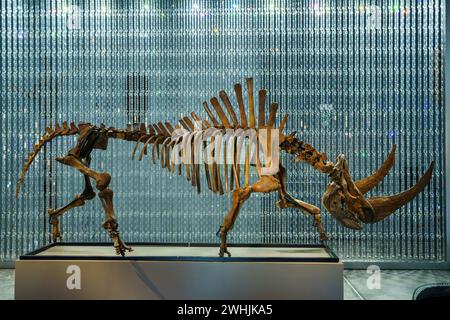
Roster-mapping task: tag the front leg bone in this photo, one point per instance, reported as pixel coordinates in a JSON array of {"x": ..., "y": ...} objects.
[{"x": 223, "y": 244}]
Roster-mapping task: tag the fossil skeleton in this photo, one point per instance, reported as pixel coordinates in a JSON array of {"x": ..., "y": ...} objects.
[{"x": 343, "y": 198}]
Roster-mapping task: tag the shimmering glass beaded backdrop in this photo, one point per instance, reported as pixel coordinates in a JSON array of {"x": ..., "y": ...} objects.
[{"x": 355, "y": 77}]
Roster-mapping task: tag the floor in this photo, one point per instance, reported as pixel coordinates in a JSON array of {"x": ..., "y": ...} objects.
[
  {"x": 6, "y": 284},
  {"x": 394, "y": 284}
]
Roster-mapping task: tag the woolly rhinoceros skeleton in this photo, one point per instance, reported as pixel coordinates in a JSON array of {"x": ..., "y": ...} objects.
[{"x": 180, "y": 146}]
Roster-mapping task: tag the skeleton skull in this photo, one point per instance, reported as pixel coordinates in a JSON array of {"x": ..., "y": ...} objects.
[{"x": 344, "y": 199}]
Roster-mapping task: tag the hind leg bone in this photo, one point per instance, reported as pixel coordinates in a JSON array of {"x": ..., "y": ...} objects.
[
  {"x": 87, "y": 194},
  {"x": 106, "y": 195}
]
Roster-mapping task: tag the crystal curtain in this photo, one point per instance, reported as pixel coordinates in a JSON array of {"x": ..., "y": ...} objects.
[{"x": 355, "y": 77}]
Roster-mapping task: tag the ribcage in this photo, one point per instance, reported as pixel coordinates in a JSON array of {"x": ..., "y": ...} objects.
[{"x": 222, "y": 146}]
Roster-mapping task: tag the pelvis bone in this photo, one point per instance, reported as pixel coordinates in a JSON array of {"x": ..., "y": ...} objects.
[{"x": 345, "y": 200}]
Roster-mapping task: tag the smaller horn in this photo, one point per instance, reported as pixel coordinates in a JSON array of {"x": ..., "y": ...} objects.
[
  {"x": 370, "y": 182},
  {"x": 384, "y": 206}
]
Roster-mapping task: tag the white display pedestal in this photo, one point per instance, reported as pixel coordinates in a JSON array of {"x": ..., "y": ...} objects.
[{"x": 157, "y": 271}]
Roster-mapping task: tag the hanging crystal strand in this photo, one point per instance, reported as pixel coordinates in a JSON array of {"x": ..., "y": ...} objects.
[
  {"x": 153, "y": 76},
  {"x": 163, "y": 59},
  {"x": 322, "y": 88},
  {"x": 369, "y": 237},
  {"x": 438, "y": 196},
  {"x": 433, "y": 200},
  {"x": 367, "y": 153},
  {"x": 10, "y": 240},
  {"x": 355, "y": 102},
  {"x": 388, "y": 133},
  {"x": 3, "y": 214},
  {"x": 309, "y": 104},
  {"x": 405, "y": 224},
  {"x": 348, "y": 104},
  {"x": 268, "y": 80},
  {"x": 418, "y": 206},
  {"x": 402, "y": 227},
  {"x": 11, "y": 121},
  {"x": 145, "y": 216},
  {"x": 404, "y": 135},
  {"x": 143, "y": 219},
  {"x": 16, "y": 224},
  {"x": 371, "y": 115},
  {"x": 289, "y": 10},
  {"x": 110, "y": 76},
  {"x": 36, "y": 205},
  {"x": 362, "y": 240},
  {"x": 302, "y": 118},
  {"x": 437, "y": 203},
  {"x": 425, "y": 108},
  {"x": 430, "y": 98},
  {"x": 25, "y": 108},
  {"x": 85, "y": 85},
  {"x": 64, "y": 185},
  {"x": 417, "y": 219},
  {"x": 140, "y": 74},
  {"x": 160, "y": 101},
  {"x": 290, "y": 13},
  {"x": 25, "y": 240},
  {"x": 299, "y": 107},
  {"x": 280, "y": 53},
  {"x": 382, "y": 129},
  {"x": 415, "y": 98},
  {"x": 429, "y": 136},
  {"x": 379, "y": 135},
  {"x": 132, "y": 107},
  {"x": 274, "y": 65},
  {"x": 346, "y": 143},
  {"x": 422, "y": 208},
  {"x": 372, "y": 26},
  {"x": 6, "y": 121},
  {"x": 405, "y": 132},
  {"x": 65, "y": 82},
  {"x": 141, "y": 67},
  {"x": 370, "y": 152},
  {"x": 18, "y": 121},
  {"x": 408, "y": 139},
  {"x": 147, "y": 212},
  {"x": 315, "y": 93}
]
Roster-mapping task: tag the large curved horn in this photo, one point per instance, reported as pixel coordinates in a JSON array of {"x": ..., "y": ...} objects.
[
  {"x": 384, "y": 206},
  {"x": 368, "y": 183}
]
